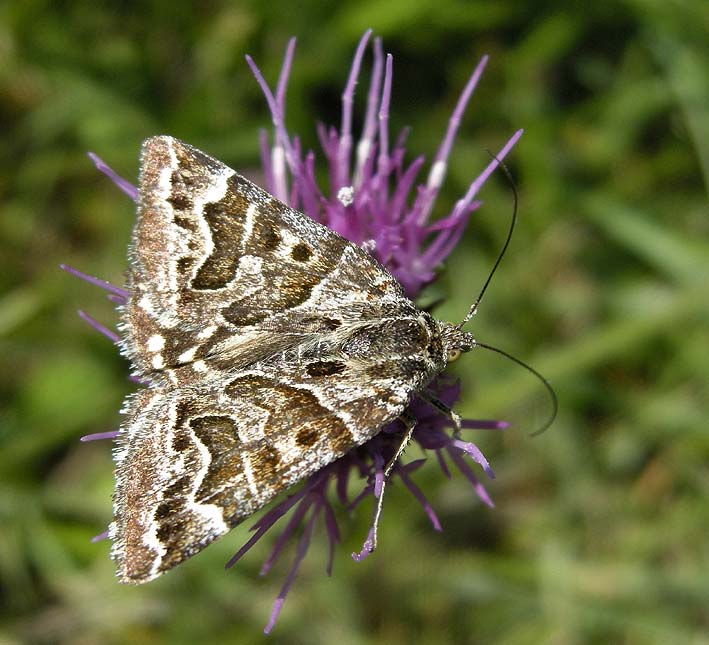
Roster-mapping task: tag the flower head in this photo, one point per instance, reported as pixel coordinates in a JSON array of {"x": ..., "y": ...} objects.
[{"x": 373, "y": 200}]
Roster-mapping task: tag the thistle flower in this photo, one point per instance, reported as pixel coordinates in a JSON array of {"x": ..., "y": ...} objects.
[{"x": 373, "y": 201}]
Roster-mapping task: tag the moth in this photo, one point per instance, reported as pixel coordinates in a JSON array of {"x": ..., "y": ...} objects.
[{"x": 269, "y": 346}]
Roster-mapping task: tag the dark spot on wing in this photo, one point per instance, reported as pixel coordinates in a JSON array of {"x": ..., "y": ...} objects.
[
  {"x": 307, "y": 437},
  {"x": 324, "y": 368},
  {"x": 330, "y": 323},
  {"x": 268, "y": 238},
  {"x": 183, "y": 411},
  {"x": 179, "y": 488},
  {"x": 184, "y": 265},
  {"x": 181, "y": 441},
  {"x": 185, "y": 223},
  {"x": 265, "y": 462},
  {"x": 180, "y": 202},
  {"x": 163, "y": 510},
  {"x": 301, "y": 252}
]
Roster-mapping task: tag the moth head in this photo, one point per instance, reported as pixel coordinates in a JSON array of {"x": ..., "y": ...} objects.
[{"x": 455, "y": 341}]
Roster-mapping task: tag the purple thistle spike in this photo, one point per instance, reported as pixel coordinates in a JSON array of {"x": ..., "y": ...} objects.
[
  {"x": 128, "y": 188},
  {"x": 97, "y": 282},
  {"x": 417, "y": 493},
  {"x": 104, "y": 331},
  {"x": 97, "y": 436}
]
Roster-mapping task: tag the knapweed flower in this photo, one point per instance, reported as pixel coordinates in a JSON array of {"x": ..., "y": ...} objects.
[{"x": 373, "y": 200}]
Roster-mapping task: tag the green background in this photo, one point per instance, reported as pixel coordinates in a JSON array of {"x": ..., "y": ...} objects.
[{"x": 600, "y": 530}]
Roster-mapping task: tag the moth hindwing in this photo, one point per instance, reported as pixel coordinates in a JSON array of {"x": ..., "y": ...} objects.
[{"x": 269, "y": 347}]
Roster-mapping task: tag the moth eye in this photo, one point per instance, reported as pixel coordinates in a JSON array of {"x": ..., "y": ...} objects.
[{"x": 453, "y": 355}]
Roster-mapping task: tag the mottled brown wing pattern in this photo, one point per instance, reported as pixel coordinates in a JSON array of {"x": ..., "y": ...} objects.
[
  {"x": 196, "y": 461},
  {"x": 214, "y": 258}
]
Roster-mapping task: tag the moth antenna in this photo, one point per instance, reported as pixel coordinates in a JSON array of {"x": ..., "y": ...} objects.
[
  {"x": 545, "y": 383},
  {"x": 474, "y": 308},
  {"x": 476, "y": 304}
]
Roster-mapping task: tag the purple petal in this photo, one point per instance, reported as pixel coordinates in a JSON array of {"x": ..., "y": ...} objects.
[
  {"x": 471, "y": 449},
  {"x": 482, "y": 178},
  {"x": 97, "y": 436},
  {"x": 284, "y": 75},
  {"x": 118, "y": 300},
  {"x": 425, "y": 504},
  {"x": 302, "y": 549},
  {"x": 440, "y": 163},
  {"x": 366, "y": 547},
  {"x": 128, "y": 188},
  {"x": 366, "y": 143},
  {"x": 264, "y": 523},
  {"x": 285, "y": 535},
  {"x": 378, "y": 474},
  {"x": 443, "y": 243},
  {"x": 102, "y": 284},
  {"x": 104, "y": 331},
  {"x": 442, "y": 463},
  {"x": 383, "y": 158},
  {"x": 403, "y": 188},
  {"x": 342, "y": 162},
  {"x": 485, "y": 424},
  {"x": 411, "y": 466},
  {"x": 343, "y": 476},
  {"x": 470, "y": 476},
  {"x": 333, "y": 535}
]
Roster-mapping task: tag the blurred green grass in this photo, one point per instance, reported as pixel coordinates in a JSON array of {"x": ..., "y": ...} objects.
[{"x": 600, "y": 529}]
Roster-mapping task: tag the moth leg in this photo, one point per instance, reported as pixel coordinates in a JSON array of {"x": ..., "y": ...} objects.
[
  {"x": 454, "y": 417},
  {"x": 409, "y": 422}
]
